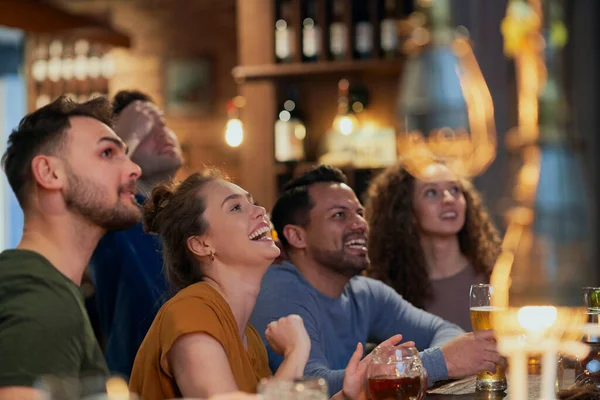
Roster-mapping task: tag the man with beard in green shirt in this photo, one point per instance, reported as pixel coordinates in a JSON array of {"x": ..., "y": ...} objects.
[{"x": 74, "y": 181}]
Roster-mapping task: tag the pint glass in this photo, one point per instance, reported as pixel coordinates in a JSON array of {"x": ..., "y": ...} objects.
[{"x": 481, "y": 313}]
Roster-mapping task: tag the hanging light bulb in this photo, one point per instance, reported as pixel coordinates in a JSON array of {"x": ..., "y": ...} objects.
[
  {"x": 345, "y": 121},
  {"x": 234, "y": 132},
  {"x": 346, "y": 124},
  {"x": 234, "y": 129},
  {"x": 445, "y": 110}
]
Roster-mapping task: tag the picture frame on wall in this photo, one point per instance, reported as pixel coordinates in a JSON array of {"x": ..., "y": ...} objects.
[{"x": 187, "y": 86}]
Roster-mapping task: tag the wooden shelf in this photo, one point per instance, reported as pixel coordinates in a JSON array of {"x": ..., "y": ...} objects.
[
  {"x": 39, "y": 17},
  {"x": 270, "y": 71}
]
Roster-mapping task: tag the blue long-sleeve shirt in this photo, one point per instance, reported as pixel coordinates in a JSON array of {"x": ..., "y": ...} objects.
[
  {"x": 130, "y": 287},
  {"x": 367, "y": 311}
]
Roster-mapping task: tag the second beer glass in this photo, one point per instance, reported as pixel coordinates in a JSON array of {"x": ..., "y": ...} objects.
[{"x": 481, "y": 312}]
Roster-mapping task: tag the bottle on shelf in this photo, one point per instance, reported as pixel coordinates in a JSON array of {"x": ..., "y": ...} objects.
[
  {"x": 338, "y": 29},
  {"x": 80, "y": 69},
  {"x": 363, "y": 29},
  {"x": 108, "y": 69},
  {"x": 67, "y": 70},
  {"x": 389, "y": 28},
  {"x": 98, "y": 86},
  {"x": 55, "y": 50},
  {"x": 311, "y": 32},
  {"x": 336, "y": 146},
  {"x": 284, "y": 31},
  {"x": 39, "y": 73},
  {"x": 290, "y": 131}
]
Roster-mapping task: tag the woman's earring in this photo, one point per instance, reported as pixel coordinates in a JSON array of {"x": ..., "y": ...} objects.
[{"x": 212, "y": 256}]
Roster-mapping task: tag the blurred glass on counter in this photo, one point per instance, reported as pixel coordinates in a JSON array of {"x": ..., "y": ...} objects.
[
  {"x": 91, "y": 387},
  {"x": 306, "y": 388}
]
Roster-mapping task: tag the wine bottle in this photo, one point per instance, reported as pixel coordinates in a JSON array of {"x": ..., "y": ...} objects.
[
  {"x": 98, "y": 87},
  {"x": 284, "y": 32},
  {"x": 80, "y": 69},
  {"x": 39, "y": 73},
  {"x": 388, "y": 31},
  {"x": 311, "y": 32},
  {"x": 363, "y": 30},
  {"x": 338, "y": 30},
  {"x": 290, "y": 131},
  {"x": 55, "y": 50},
  {"x": 66, "y": 71}
]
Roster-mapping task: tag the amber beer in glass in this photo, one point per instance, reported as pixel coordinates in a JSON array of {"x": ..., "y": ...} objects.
[
  {"x": 396, "y": 373},
  {"x": 481, "y": 319}
]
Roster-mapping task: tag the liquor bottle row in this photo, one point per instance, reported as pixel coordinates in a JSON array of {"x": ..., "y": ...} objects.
[
  {"x": 79, "y": 69},
  {"x": 319, "y": 30}
]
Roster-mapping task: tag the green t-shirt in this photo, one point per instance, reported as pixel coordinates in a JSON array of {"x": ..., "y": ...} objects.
[{"x": 44, "y": 328}]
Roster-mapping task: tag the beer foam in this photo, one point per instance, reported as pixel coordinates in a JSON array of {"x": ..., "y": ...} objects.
[{"x": 486, "y": 308}]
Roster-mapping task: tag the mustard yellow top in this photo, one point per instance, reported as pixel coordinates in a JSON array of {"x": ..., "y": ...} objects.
[{"x": 198, "y": 308}]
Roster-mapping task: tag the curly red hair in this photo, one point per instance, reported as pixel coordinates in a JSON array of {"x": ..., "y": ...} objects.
[{"x": 394, "y": 246}]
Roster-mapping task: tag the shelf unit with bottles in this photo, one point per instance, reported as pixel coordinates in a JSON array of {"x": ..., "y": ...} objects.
[
  {"x": 267, "y": 70},
  {"x": 57, "y": 65}
]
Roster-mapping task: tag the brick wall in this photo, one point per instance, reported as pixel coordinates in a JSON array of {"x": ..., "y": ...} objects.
[{"x": 177, "y": 28}]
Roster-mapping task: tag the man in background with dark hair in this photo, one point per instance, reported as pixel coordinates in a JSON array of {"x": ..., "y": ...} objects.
[
  {"x": 320, "y": 223},
  {"x": 126, "y": 267},
  {"x": 74, "y": 181}
]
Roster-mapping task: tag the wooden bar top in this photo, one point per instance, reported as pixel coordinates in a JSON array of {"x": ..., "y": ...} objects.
[{"x": 464, "y": 389}]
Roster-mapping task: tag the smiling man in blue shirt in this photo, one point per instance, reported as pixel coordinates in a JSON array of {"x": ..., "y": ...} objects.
[{"x": 320, "y": 223}]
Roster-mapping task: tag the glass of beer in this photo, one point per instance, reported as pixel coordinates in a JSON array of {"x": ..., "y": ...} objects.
[
  {"x": 481, "y": 313},
  {"x": 396, "y": 372}
]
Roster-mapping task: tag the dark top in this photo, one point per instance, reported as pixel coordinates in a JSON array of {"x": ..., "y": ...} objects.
[
  {"x": 127, "y": 271},
  {"x": 451, "y": 297},
  {"x": 44, "y": 328}
]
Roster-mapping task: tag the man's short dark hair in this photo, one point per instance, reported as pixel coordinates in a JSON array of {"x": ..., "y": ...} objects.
[
  {"x": 294, "y": 203},
  {"x": 126, "y": 97},
  {"x": 43, "y": 132}
]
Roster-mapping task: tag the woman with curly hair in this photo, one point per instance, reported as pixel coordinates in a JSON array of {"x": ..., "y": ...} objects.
[{"x": 430, "y": 239}]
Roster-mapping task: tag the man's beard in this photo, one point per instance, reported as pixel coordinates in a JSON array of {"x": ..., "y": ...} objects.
[
  {"x": 341, "y": 262},
  {"x": 89, "y": 200}
]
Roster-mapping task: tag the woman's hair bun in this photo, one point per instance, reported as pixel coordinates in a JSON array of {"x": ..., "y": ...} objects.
[{"x": 159, "y": 199}]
